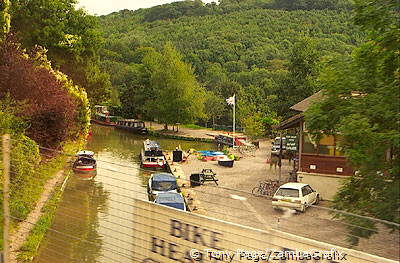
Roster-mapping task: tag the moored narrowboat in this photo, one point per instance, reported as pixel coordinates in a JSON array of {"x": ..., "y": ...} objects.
[
  {"x": 152, "y": 155},
  {"x": 229, "y": 140},
  {"x": 132, "y": 125},
  {"x": 102, "y": 116},
  {"x": 85, "y": 166}
]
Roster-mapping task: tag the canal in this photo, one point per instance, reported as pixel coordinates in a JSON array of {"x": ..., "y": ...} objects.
[{"x": 93, "y": 222}]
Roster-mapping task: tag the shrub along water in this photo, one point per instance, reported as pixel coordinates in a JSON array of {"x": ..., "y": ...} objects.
[{"x": 39, "y": 106}]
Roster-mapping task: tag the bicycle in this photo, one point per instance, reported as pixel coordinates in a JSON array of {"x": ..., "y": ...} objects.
[{"x": 267, "y": 187}]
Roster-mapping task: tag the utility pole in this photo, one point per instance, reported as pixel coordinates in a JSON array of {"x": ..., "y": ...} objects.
[{"x": 6, "y": 196}]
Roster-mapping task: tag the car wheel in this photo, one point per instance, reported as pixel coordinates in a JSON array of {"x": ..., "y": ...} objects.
[
  {"x": 316, "y": 200},
  {"x": 303, "y": 208}
]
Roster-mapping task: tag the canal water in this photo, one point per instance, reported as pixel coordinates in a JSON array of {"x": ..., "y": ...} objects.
[{"x": 94, "y": 222}]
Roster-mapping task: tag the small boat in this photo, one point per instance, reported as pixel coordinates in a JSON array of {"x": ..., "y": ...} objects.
[
  {"x": 152, "y": 155},
  {"x": 226, "y": 162},
  {"x": 102, "y": 116},
  {"x": 85, "y": 165},
  {"x": 132, "y": 125}
]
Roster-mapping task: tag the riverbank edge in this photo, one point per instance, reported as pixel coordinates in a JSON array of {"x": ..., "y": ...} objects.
[
  {"x": 179, "y": 137},
  {"x": 31, "y": 244},
  {"x": 192, "y": 202}
]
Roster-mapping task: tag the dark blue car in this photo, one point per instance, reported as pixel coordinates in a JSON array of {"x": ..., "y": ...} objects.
[
  {"x": 174, "y": 200},
  {"x": 161, "y": 182}
]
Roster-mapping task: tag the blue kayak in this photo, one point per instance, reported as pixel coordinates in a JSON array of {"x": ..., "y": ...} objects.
[{"x": 210, "y": 153}]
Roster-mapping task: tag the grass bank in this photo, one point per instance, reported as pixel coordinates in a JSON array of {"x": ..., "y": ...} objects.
[
  {"x": 195, "y": 127},
  {"x": 30, "y": 171},
  {"x": 29, "y": 249}
]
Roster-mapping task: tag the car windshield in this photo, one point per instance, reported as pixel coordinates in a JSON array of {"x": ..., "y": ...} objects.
[
  {"x": 288, "y": 192},
  {"x": 164, "y": 186},
  {"x": 278, "y": 141},
  {"x": 180, "y": 206}
]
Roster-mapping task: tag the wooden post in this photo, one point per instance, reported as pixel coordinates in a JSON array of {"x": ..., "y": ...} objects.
[
  {"x": 6, "y": 196},
  {"x": 280, "y": 158}
]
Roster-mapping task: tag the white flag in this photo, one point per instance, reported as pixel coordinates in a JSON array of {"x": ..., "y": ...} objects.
[{"x": 231, "y": 100}]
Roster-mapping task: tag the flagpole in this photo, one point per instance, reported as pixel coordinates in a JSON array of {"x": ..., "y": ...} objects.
[{"x": 234, "y": 108}]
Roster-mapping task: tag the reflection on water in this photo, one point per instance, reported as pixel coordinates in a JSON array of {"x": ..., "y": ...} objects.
[
  {"x": 76, "y": 218},
  {"x": 94, "y": 220}
]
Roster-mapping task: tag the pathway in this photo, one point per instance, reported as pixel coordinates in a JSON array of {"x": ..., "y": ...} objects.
[{"x": 24, "y": 228}]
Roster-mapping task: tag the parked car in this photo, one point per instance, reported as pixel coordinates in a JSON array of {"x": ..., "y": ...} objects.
[
  {"x": 276, "y": 145},
  {"x": 171, "y": 199},
  {"x": 295, "y": 196},
  {"x": 161, "y": 182}
]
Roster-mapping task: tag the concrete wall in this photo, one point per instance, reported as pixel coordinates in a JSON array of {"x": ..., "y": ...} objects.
[
  {"x": 166, "y": 235},
  {"x": 327, "y": 185}
]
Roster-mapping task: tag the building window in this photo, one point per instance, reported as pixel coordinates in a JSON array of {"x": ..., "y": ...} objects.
[
  {"x": 309, "y": 145},
  {"x": 326, "y": 146}
]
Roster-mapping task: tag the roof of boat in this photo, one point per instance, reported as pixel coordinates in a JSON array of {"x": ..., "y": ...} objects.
[
  {"x": 151, "y": 144},
  {"x": 169, "y": 197},
  {"x": 239, "y": 136},
  {"x": 85, "y": 153},
  {"x": 164, "y": 177},
  {"x": 131, "y": 120}
]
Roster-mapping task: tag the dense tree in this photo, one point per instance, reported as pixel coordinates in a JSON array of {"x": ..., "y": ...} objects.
[
  {"x": 215, "y": 107},
  {"x": 299, "y": 83},
  {"x": 175, "y": 10},
  {"x": 71, "y": 37},
  {"x": 361, "y": 104},
  {"x": 4, "y": 18},
  {"x": 255, "y": 50},
  {"x": 54, "y": 108},
  {"x": 178, "y": 97}
]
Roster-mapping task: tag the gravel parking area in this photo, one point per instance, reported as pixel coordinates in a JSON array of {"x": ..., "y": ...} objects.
[{"x": 316, "y": 223}]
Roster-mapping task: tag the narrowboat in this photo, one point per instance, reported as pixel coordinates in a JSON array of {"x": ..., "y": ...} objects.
[
  {"x": 102, "y": 116},
  {"x": 229, "y": 140},
  {"x": 152, "y": 155},
  {"x": 132, "y": 125},
  {"x": 85, "y": 166}
]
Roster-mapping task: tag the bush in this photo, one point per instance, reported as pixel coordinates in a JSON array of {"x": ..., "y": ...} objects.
[{"x": 50, "y": 109}]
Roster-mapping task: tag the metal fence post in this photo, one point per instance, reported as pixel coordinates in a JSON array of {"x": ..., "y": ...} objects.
[{"x": 6, "y": 197}]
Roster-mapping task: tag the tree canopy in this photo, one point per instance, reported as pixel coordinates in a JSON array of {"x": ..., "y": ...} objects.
[
  {"x": 71, "y": 37},
  {"x": 267, "y": 55},
  {"x": 4, "y": 18},
  {"x": 54, "y": 108},
  {"x": 178, "y": 97}
]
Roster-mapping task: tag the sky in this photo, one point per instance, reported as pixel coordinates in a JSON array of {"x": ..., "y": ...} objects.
[{"x": 104, "y": 7}]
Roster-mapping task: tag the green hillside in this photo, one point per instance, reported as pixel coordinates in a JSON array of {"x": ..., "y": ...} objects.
[{"x": 243, "y": 47}]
